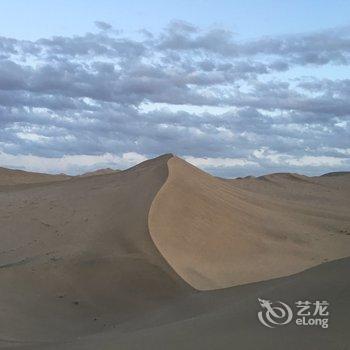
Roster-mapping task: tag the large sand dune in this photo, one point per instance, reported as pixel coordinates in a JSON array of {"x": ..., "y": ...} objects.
[
  {"x": 117, "y": 259},
  {"x": 76, "y": 256},
  {"x": 219, "y": 233}
]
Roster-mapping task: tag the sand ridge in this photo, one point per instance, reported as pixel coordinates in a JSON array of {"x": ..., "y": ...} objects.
[{"x": 10, "y": 177}]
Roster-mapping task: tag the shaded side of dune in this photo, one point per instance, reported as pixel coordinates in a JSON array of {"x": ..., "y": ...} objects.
[
  {"x": 76, "y": 257},
  {"x": 217, "y": 233}
]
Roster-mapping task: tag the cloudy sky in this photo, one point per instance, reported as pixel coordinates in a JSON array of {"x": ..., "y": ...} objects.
[{"x": 236, "y": 88}]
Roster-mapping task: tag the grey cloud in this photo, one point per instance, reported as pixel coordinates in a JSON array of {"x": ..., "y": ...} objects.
[
  {"x": 12, "y": 76},
  {"x": 103, "y": 25},
  {"x": 92, "y": 44},
  {"x": 330, "y": 46},
  {"x": 217, "y": 41}
]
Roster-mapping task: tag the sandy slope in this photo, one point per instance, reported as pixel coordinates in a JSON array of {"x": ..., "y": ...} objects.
[
  {"x": 114, "y": 261},
  {"x": 76, "y": 256},
  {"x": 219, "y": 233},
  {"x": 227, "y": 318}
]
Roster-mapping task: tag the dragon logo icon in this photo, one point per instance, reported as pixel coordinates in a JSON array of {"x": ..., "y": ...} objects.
[{"x": 274, "y": 313}]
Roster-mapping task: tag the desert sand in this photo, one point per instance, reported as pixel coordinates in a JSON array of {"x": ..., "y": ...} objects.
[{"x": 166, "y": 256}]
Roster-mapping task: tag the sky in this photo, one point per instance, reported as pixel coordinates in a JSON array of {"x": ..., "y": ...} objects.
[{"x": 236, "y": 88}]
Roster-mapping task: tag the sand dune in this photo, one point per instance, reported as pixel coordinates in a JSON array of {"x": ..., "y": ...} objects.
[
  {"x": 15, "y": 177},
  {"x": 10, "y": 177},
  {"x": 99, "y": 172},
  {"x": 98, "y": 261},
  {"x": 219, "y": 233},
  {"x": 76, "y": 257}
]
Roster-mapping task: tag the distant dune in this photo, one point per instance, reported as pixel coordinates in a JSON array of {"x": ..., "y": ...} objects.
[
  {"x": 9, "y": 177},
  {"x": 129, "y": 256},
  {"x": 99, "y": 172},
  {"x": 338, "y": 173},
  {"x": 15, "y": 177}
]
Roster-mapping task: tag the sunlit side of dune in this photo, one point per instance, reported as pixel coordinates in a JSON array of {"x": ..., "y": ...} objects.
[{"x": 220, "y": 233}]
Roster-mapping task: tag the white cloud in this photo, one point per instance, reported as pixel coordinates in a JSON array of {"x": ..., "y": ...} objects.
[
  {"x": 303, "y": 161},
  {"x": 315, "y": 161},
  {"x": 219, "y": 162},
  {"x": 70, "y": 164}
]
